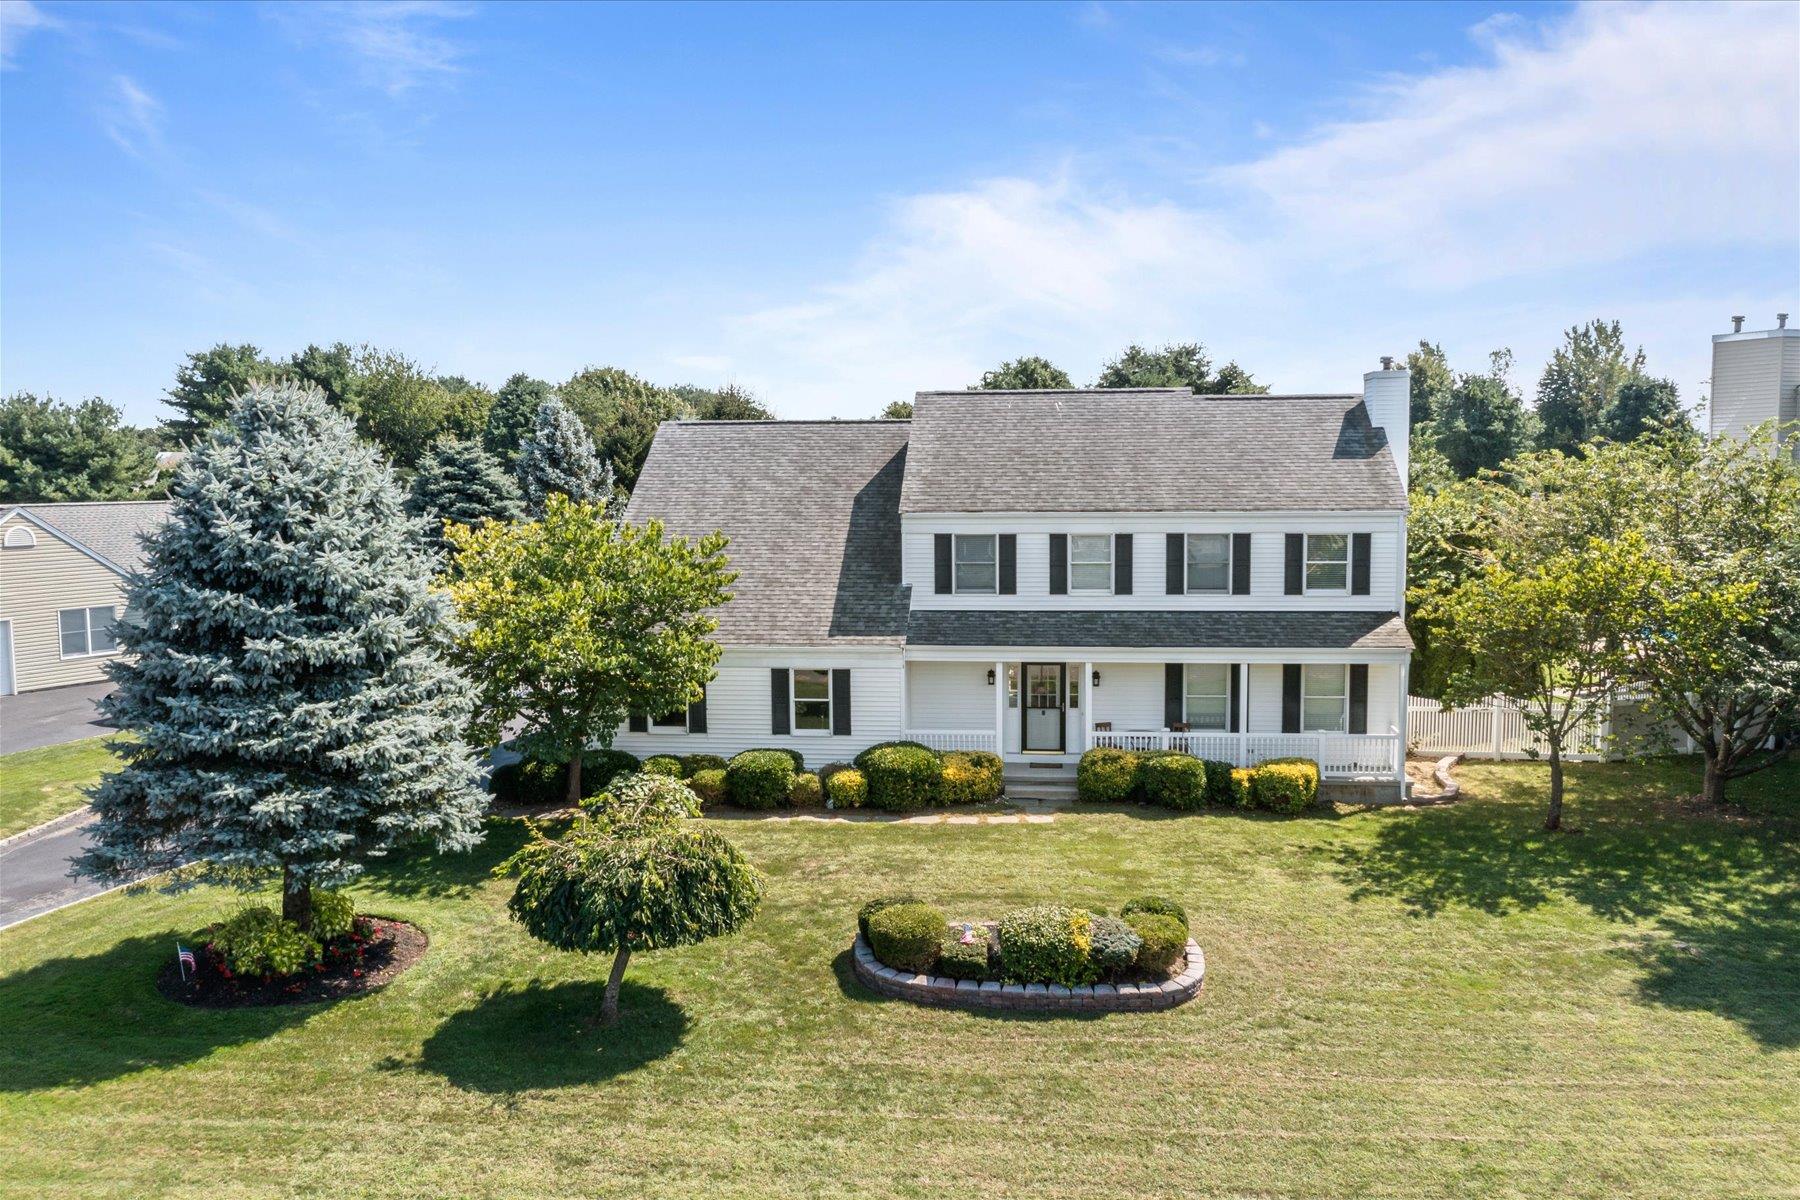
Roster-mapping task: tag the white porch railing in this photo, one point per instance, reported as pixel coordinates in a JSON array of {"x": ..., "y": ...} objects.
[
  {"x": 955, "y": 739},
  {"x": 1339, "y": 755}
]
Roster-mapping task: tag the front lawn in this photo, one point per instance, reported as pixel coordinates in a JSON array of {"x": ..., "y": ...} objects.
[
  {"x": 1439, "y": 1002},
  {"x": 38, "y": 785}
]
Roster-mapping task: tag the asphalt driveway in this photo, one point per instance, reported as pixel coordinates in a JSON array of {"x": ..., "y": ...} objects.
[
  {"x": 34, "y": 871},
  {"x": 51, "y": 717}
]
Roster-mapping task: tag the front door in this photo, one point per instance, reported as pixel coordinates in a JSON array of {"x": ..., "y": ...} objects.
[{"x": 1044, "y": 700}]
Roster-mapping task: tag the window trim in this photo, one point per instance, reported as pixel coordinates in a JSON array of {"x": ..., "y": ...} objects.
[
  {"x": 1111, "y": 559},
  {"x": 87, "y": 612},
  {"x": 1307, "y": 560},
  {"x": 1187, "y": 578},
  {"x": 1187, "y": 691},
  {"x": 956, "y": 562},
  {"x": 1344, "y": 705},
  {"x": 794, "y": 703}
]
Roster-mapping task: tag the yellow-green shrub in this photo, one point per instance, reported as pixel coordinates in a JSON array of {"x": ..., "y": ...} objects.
[
  {"x": 332, "y": 914},
  {"x": 848, "y": 788},
  {"x": 1285, "y": 785},
  {"x": 708, "y": 784},
  {"x": 971, "y": 777},
  {"x": 806, "y": 791},
  {"x": 1048, "y": 943},
  {"x": 1106, "y": 775}
]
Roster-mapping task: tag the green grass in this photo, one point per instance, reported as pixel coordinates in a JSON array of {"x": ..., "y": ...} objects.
[
  {"x": 1441, "y": 1002},
  {"x": 38, "y": 785}
]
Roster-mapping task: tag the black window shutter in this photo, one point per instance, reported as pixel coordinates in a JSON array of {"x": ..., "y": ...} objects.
[
  {"x": 1237, "y": 697},
  {"x": 1359, "y": 697},
  {"x": 1121, "y": 564},
  {"x": 1059, "y": 564},
  {"x": 1359, "y": 564},
  {"x": 638, "y": 723},
  {"x": 840, "y": 700},
  {"x": 1175, "y": 565},
  {"x": 697, "y": 714},
  {"x": 780, "y": 720},
  {"x": 1009, "y": 564},
  {"x": 1173, "y": 689},
  {"x": 1296, "y": 563},
  {"x": 940, "y": 553},
  {"x": 1290, "y": 698},
  {"x": 1240, "y": 564}
]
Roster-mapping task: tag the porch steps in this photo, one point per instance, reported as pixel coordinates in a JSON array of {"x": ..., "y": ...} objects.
[{"x": 1040, "y": 781}]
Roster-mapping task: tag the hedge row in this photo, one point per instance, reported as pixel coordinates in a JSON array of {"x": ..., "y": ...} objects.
[
  {"x": 1171, "y": 779},
  {"x": 907, "y": 776},
  {"x": 1046, "y": 943}
]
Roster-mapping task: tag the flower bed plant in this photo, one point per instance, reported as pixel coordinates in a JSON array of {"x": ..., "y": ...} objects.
[{"x": 1171, "y": 779}]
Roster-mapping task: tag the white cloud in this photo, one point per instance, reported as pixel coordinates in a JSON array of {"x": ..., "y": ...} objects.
[
  {"x": 1484, "y": 204},
  {"x": 19, "y": 18},
  {"x": 395, "y": 46},
  {"x": 131, "y": 117}
]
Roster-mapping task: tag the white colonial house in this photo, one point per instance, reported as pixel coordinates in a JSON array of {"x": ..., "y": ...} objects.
[{"x": 1039, "y": 572}]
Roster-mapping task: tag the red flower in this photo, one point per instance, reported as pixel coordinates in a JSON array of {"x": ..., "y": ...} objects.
[{"x": 357, "y": 972}]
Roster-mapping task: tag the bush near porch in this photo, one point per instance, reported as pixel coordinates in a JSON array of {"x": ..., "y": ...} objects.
[{"x": 1171, "y": 779}]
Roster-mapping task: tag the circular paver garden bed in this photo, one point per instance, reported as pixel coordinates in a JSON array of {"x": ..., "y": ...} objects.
[{"x": 943, "y": 991}]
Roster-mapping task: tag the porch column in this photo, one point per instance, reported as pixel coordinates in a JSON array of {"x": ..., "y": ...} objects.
[
  {"x": 1401, "y": 724},
  {"x": 1000, "y": 708},
  {"x": 1087, "y": 707},
  {"x": 1243, "y": 670},
  {"x": 905, "y": 712}
]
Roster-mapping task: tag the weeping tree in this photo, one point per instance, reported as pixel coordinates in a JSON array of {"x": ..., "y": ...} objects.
[
  {"x": 286, "y": 678},
  {"x": 639, "y": 876},
  {"x": 459, "y": 482},
  {"x": 559, "y": 456}
]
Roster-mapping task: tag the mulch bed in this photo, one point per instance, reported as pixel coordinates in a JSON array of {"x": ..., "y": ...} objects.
[{"x": 392, "y": 947}]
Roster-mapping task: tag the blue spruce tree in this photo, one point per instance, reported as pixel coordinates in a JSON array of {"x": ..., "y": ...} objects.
[
  {"x": 559, "y": 456},
  {"x": 287, "y": 683}
]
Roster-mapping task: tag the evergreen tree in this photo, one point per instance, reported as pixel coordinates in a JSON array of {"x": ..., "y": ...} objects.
[
  {"x": 1432, "y": 381},
  {"x": 514, "y": 413},
  {"x": 1643, "y": 404},
  {"x": 287, "y": 686},
  {"x": 1580, "y": 381},
  {"x": 54, "y": 451},
  {"x": 331, "y": 369},
  {"x": 460, "y": 482},
  {"x": 1030, "y": 372},
  {"x": 558, "y": 456},
  {"x": 207, "y": 383},
  {"x": 897, "y": 410}
]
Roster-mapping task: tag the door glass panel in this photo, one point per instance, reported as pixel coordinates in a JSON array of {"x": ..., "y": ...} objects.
[{"x": 1043, "y": 707}]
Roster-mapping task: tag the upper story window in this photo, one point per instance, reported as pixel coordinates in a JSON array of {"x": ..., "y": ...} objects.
[
  {"x": 976, "y": 564},
  {"x": 1209, "y": 562},
  {"x": 1090, "y": 562},
  {"x": 1328, "y": 562},
  {"x": 812, "y": 701},
  {"x": 87, "y": 631},
  {"x": 1324, "y": 698},
  {"x": 1209, "y": 695}
]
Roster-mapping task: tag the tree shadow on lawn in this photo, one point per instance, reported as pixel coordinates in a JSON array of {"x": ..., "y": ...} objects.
[
  {"x": 522, "y": 1039},
  {"x": 72, "y": 1022},
  {"x": 1722, "y": 893},
  {"x": 421, "y": 872}
]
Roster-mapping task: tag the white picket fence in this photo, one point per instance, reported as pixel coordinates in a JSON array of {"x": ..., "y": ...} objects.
[{"x": 1495, "y": 728}]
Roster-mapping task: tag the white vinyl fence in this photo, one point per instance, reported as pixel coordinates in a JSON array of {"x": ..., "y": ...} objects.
[{"x": 1495, "y": 728}]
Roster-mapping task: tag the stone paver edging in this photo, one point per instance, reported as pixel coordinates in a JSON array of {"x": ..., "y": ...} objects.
[
  {"x": 1031, "y": 997},
  {"x": 1448, "y": 788}
]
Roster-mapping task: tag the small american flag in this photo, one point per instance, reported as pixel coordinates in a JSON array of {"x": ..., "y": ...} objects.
[{"x": 185, "y": 958}]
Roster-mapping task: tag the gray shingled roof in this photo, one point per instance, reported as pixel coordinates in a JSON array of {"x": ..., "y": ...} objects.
[
  {"x": 812, "y": 510},
  {"x": 110, "y": 528},
  {"x": 1149, "y": 450},
  {"x": 1148, "y": 628}
]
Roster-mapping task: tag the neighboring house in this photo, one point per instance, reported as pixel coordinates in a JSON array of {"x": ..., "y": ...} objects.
[
  {"x": 1037, "y": 573},
  {"x": 62, "y": 584},
  {"x": 1755, "y": 378}
]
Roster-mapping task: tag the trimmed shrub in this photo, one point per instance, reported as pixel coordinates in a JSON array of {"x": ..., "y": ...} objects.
[
  {"x": 1285, "y": 785},
  {"x": 256, "y": 941},
  {"x": 1155, "y": 906},
  {"x": 1048, "y": 943},
  {"x": 878, "y": 904},
  {"x": 799, "y": 758},
  {"x": 828, "y": 770},
  {"x": 760, "y": 778},
  {"x": 662, "y": 764},
  {"x": 333, "y": 914},
  {"x": 1219, "y": 791},
  {"x": 806, "y": 792},
  {"x": 693, "y": 764},
  {"x": 901, "y": 777},
  {"x": 1106, "y": 775},
  {"x": 1115, "y": 947},
  {"x": 971, "y": 777},
  {"x": 966, "y": 961},
  {"x": 848, "y": 788},
  {"x": 907, "y": 937},
  {"x": 600, "y": 767},
  {"x": 1165, "y": 940},
  {"x": 1175, "y": 781},
  {"x": 1243, "y": 781},
  {"x": 861, "y": 761},
  {"x": 709, "y": 785}
]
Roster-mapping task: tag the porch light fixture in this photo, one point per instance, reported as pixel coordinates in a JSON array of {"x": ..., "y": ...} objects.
[
  {"x": 990, "y": 677},
  {"x": 1096, "y": 678}
]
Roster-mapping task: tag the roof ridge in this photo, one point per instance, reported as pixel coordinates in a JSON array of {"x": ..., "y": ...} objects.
[
  {"x": 72, "y": 503},
  {"x": 794, "y": 421}
]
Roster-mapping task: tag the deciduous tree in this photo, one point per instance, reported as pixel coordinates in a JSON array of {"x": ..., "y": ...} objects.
[
  {"x": 1183, "y": 364},
  {"x": 1432, "y": 381},
  {"x": 897, "y": 410},
  {"x": 1025, "y": 373},
  {"x": 1580, "y": 381},
  {"x": 1483, "y": 423}
]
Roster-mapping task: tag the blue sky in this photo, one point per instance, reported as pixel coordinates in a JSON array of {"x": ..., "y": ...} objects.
[{"x": 836, "y": 206}]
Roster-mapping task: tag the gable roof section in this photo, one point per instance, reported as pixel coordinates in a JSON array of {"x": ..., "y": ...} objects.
[
  {"x": 108, "y": 531},
  {"x": 1145, "y": 450},
  {"x": 812, "y": 510}
]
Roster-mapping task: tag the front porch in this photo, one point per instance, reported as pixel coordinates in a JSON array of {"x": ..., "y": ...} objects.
[{"x": 1345, "y": 712}]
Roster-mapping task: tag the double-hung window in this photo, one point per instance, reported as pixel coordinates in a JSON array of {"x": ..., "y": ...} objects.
[
  {"x": 1209, "y": 695},
  {"x": 976, "y": 568},
  {"x": 670, "y": 722},
  {"x": 1090, "y": 562},
  {"x": 87, "y": 631},
  {"x": 1324, "y": 698},
  {"x": 1328, "y": 562},
  {"x": 812, "y": 701},
  {"x": 1209, "y": 562}
]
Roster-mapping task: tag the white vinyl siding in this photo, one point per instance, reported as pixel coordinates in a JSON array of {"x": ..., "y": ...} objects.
[
  {"x": 36, "y": 583},
  {"x": 950, "y": 695}
]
